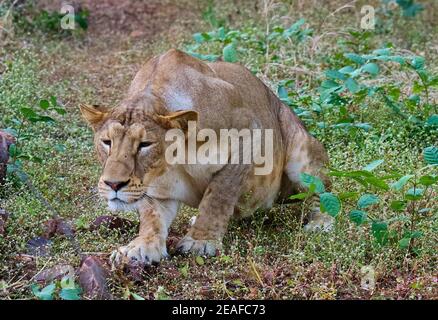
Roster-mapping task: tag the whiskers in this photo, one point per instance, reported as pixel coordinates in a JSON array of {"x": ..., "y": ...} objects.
[
  {"x": 153, "y": 203},
  {"x": 131, "y": 200}
]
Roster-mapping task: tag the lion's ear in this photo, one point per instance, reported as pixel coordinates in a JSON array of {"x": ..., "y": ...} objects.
[
  {"x": 178, "y": 119},
  {"x": 94, "y": 114}
]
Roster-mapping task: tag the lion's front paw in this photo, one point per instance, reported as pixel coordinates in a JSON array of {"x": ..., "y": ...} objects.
[
  {"x": 320, "y": 222},
  {"x": 139, "y": 250},
  {"x": 199, "y": 247}
]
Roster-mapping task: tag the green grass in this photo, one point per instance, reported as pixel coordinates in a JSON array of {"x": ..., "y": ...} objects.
[{"x": 266, "y": 256}]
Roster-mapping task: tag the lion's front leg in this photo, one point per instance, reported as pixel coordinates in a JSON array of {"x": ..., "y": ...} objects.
[
  {"x": 150, "y": 244},
  {"x": 215, "y": 210}
]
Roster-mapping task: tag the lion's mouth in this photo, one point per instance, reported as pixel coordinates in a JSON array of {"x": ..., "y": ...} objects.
[
  {"x": 116, "y": 204},
  {"x": 117, "y": 200},
  {"x": 118, "y": 197}
]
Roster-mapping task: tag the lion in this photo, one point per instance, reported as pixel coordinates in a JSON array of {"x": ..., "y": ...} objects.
[{"x": 168, "y": 92}]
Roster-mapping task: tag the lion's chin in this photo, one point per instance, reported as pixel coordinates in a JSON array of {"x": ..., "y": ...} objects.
[{"x": 119, "y": 205}]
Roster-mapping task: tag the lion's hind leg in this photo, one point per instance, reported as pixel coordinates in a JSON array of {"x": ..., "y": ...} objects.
[{"x": 308, "y": 156}]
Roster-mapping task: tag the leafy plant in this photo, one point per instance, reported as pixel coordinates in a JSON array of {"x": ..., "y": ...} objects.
[
  {"x": 210, "y": 15},
  {"x": 28, "y": 18},
  {"x": 228, "y": 43},
  {"x": 330, "y": 203},
  {"x": 409, "y": 7},
  {"x": 409, "y": 208},
  {"x": 25, "y": 117},
  {"x": 344, "y": 86},
  {"x": 65, "y": 289}
]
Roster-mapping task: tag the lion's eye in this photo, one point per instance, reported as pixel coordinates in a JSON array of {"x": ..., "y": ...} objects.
[
  {"x": 107, "y": 142},
  {"x": 144, "y": 145}
]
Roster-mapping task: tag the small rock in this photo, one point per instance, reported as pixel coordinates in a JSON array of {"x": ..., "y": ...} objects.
[
  {"x": 57, "y": 226},
  {"x": 39, "y": 246},
  {"x": 134, "y": 270},
  {"x": 55, "y": 273},
  {"x": 268, "y": 276},
  {"x": 26, "y": 264},
  {"x": 111, "y": 222},
  {"x": 136, "y": 34},
  {"x": 93, "y": 276},
  {"x": 5, "y": 141}
]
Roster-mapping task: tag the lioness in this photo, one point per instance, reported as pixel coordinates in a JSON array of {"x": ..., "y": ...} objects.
[{"x": 168, "y": 92}]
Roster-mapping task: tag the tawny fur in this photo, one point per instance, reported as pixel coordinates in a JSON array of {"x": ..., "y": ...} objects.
[{"x": 168, "y": 91}]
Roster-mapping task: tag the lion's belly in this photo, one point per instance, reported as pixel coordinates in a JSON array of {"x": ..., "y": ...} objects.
[{"x": 260, "y": 192}]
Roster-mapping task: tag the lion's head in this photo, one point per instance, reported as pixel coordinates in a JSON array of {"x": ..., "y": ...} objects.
[{"x": 130, "y": 144}]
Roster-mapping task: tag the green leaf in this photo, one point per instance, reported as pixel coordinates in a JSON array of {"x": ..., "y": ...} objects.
[
  {"x": 404, "y": 243},
  {"x": 297, "y": 24},
  {"x": 221, "y": 33},
  {"x": 428, "y": 180},
  {"x": 371, "y": 68},
  {"x": 382, "y": 52},
  {"x": 308, "y": 179},
  {"x": 363, "y": 126},
  {"x": 67, "y": 283},
  {"x": 60, "y": 111},
  {"x": 70, "y": 294},
  {"x": 398, "y": 205},
  {"x": 373, "y": 165},
  {"x": 299, "y": 196},
  {"x": 414, "y": 194},
  {"x": 44, "y": 294},
  {"x": 329, "y": 84},
  {"x": 379, "y": 183},
  {"x": 399, "y": 59},
  {"x": 431, "y": 155},
  {"x": 44, "y": 104},
  {"x": 346, "y": 70},
  {"x": 432, "y": 120},
  {"x": 417, "y": 87},
  {"x": 136, "y": 296},
  {"x": 418, "y": 63},
  {"x": 199, "y": 260},
  {"x": 198, "y": 37},
  {"x": 333, "y": 74},
  {"x": 43, "y": 119},
  {"x": 351, "y": 174},
  {"x": 28, "y": 113},
  {"x": 401, "y": 182},
  {"x": 161, "y": 294},
  {"x": 358, "y": 216},
  {"x": 347, "y": 195},
  {"x": 380, "y": 231},
  {"x": 352, "y": 85},
  {"x": 184, "y": 270},
  {"x": 330, "y": 203},
  {"x": 416, "y": 234},
  {"x": 53, "y": 101},
  {"x": 355, "y": 58},
  {"x": 230, "y": 54},
  {"x": 367, "y": 200},
  {"x": 13, "y": 151},
  {"x": 282, "y": 92}
]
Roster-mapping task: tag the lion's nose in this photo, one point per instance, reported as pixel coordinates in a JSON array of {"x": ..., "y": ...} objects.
[{"x": 116, "y": 186}]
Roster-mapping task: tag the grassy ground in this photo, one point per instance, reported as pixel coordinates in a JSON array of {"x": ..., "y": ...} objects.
[{"x": 267, "y": 256}]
